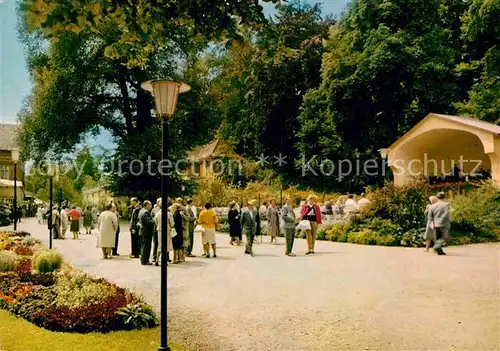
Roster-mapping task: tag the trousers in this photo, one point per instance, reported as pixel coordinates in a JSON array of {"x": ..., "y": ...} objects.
[
  {"x": 191, "y": 241},
  {"x": 135, "y": 245},
  {"x": 117, "y": 237},
  {"x": 146, "y": 241},
  {"x": 289, "y": 238},
  {"x": 155, "y": 246},
  {"x": 249, "y": 245}
]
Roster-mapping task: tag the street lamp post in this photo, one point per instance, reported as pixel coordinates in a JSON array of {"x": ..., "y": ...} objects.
[
  {"x": 50, "y": 172},
  {"x": 166, "y": 94},
  {"x": 15, "y": 159}
]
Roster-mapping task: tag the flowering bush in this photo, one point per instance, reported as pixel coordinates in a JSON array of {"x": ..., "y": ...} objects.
[
  {"x": 100, "y": 317},
  {"x": 75, "y": 289}
]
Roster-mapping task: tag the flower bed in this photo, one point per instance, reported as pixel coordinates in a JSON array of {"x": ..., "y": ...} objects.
[{"x": 35, "y": 285}]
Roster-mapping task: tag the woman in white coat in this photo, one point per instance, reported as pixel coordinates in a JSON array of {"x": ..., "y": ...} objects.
[
  {"x": 170, "y": 227},
  {"x": 108, "y": 224}
]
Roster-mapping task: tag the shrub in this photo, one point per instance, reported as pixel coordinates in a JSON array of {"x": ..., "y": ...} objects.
[
  {"x": 138, "y": 316},
  {"x": 76, "y": 289},
  {"x": 8, "y": 261},
  {"x": 413, "y": 237},
  {"x": 47, "y": 261},
  {"x": 24, "y": 266},
  {"x": 338, "y": 232},
  {"x": 101, "y": 317},
  {"x": 369, "y": 237},
  {"x": 476, "y": 215}
]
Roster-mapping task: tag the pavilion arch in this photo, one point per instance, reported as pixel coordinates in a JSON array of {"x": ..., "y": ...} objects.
[{"x": 438, "y": 142}]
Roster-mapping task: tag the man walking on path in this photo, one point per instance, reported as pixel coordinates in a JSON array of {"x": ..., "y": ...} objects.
[
  {"x": 249, "y": 217},
  {"x": 134, "y": 229},
  {"x": 185, "y": 224},
  {"x": 439, "y": 216},
  {"x": 147, "y": 227},
  {"x": 192, "y": 224}
]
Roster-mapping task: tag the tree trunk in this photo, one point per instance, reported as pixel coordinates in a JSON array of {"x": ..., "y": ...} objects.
[
  {"x": 127, "y": 112},
  {"x": 144, "y": 118}
]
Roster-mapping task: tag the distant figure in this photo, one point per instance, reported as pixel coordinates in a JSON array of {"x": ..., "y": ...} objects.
[
  {"x": 117, "y": 235},
  {"x": 64, "y": 221},
  {"x": 75, "y": 215},
  {"x": 56, "y": 222},
  {"x": 234, "y": 219},
  {"x": 108, "y": 225},
  {"x": 177, "y": 240},
  {"x": 208, "y": 219},
  {"x": 351, "y": 205},
  {"x": 170, "y": 230},
  {"x": 146, "y": 229},
  {"x": 273, "y": 220},
  {"x": 363, "y": 203},
  {"x": 439, "y": 215},
  {"x": 430, "y": 233},
  {"x": 87, "y": 220},
  {"x": 135, "y": 239},
  {"x": 40, "y": 215},
  {"x": 288, "y": 217},
  {"x": 311, "y": 213},
  {"x": 191, "y": 210},
  {"x": 328, "y": 208},
  {"x": 249, "y": 219}
]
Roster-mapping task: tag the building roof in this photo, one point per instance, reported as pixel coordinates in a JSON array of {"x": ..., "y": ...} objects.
[
  {"x": 203, "y": 152},
  {"x": 473, "y": 122},
  {"x": 463, "y": 120},
  {"x": 8, "y": 136}
]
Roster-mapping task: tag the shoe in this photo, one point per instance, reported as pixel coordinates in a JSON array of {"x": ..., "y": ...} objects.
[
  {"x": 312, "y": 252},
  {"x": 291, "y": 255},
  {"x": 309, "y": 252},
  {"x": 147, "y": 264},
  {"x": 157, "y": 264},
  {"x": 116, "y": 254},
  {"x": 207, "y": 256},
  {"x": 214, "y": 256},
  {"x": 247, "y": 252},
  {"x": 441, "y": 253},
  {"x": 190, "y": 255},
  {"x": 169, "y": 260},
  {"x": 204, "y": 255}
]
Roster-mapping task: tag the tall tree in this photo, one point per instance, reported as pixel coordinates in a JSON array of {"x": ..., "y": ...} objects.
[
  {"x": 388, "y": 64},
  {"x": 263, "y": 79}
]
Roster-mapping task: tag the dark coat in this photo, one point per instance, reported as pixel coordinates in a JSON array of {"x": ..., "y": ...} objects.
[{"x": 233, "y": 217}]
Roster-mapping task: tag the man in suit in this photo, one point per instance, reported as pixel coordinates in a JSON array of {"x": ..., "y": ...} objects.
[
  {"x": 134, "y": 229},
  {"x": 249, "y": 218},
  {"x": 192, "y": 224},
  {"x": 440, "y": 219},
  {"x": 147, "y": 228}
]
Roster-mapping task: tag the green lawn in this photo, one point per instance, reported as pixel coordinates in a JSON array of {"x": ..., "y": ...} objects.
[{"x": 16, "y": 334}]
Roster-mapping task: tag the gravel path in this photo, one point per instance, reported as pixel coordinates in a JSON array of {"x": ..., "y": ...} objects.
[{"x": 345, "y": 297}]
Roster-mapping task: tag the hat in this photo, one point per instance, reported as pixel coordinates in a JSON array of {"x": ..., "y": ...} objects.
[
  {"x": 179, "y": 199},
  {"x": 440, "y": 195},
  {"x": 253, "y": 202}
]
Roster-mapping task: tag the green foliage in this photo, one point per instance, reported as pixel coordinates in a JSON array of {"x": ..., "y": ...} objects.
[
  {"x": 339, "y": 232},
  {"x": 77, "y": 289},
  {"x": 369, "y": 237},
  {"x": 8, "y": 261},
  {"x": 476, "y": 215},
  {"x": 138, "y": 316},
  {"x": 46, "y": 261}
]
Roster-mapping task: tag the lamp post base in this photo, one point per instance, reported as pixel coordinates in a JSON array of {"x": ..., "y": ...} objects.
[{"x": 166, "y": 348}]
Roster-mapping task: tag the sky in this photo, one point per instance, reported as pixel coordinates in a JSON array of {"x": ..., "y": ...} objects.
[{"x": 15, "y": 82}]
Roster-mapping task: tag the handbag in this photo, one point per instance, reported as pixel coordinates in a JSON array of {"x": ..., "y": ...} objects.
[
  {"x": 173, "y": 232},
  {"x": 199, "y": 229},
  {"x": 304, "y": 225}
]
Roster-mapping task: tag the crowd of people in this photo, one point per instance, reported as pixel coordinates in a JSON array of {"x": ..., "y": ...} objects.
[{"x": 185, "y": 219}]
